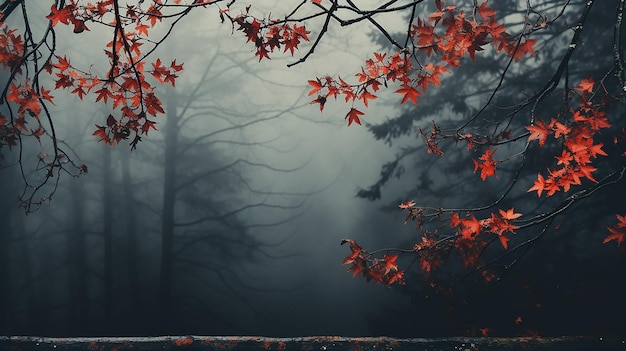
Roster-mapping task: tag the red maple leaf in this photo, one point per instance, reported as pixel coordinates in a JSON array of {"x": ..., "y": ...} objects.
[
  {"x": 470, "y": 227},
  {"x": 509, "y": 214},
  {"x": 142, "y": 28},
  {"x": 524, "y": 48},
  {"x": 159, "y": 71},
  {"x": 395, "y": 277},
  {"x": 455, "y": 220},
  {"x": 251, "y": 30},
  {"x": 616, "y": 234},
  {"x": 504, "y": 240},
  {"x": 407, "y": 204},
  {"x": 390, "y": 263},
  {"x": 410, "y": 93},
  {"x": 538, "y": 131},
  {"x": 45, "y": 94},
  {"x": 261, "y": 52},
  {"x": 63, "y": 64},
  {"x": 301, "y": 32},
  {"x": 488, "y": 166},
  {"x": 486, "y": 12},
  {"x": 316, "y": 85},
  {"x": 153, "y": 104},
  {"x": 79, "y": 25},
  {"x": 353, "y": 116},
  {"x": 355, "y": 248},
  {"x": 586, "y": 85},
  {"x": 148, "y": 124},
  {"x": 365, "y": 96},
  {"x": 101, "y": 133},
  {"x": 320, "y": 100},
  {"x": 176, "y": 67},
  {"x": 79, "y": 91},
  {"x": 63, "y": 15},
  {"x": 621, "y": 221},
  {"x": 292, "y": 44},
  {"x": 559, "y": 128},
  {"x": 103, "y": 94}
]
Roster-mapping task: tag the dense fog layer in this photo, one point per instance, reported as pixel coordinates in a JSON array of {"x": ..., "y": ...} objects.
[{"x": 228, "y": 219}]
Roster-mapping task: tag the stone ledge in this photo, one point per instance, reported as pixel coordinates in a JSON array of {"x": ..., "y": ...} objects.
[{"x": 316, "y": 343}]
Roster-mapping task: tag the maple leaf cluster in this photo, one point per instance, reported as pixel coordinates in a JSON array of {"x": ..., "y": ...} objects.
[
  {"x": 469, "y": 235},
  {"x": 125, "y": 84},
  {"x": 29, "y": 104},
  {"x": 380, "y": 270},
  {"x": 487, "y": 166},
  {"x": 468, "y": 239},
  {"x": 11, "y": 47},
  {"x": 446, "y": 37},
  {"x": 11, "y": 50},
  {"x": 128, "y": 83},
  {"x": 576, "y": 132},
  {"x": 268, "y": 35},
  {"x": 473, "y": 235}
]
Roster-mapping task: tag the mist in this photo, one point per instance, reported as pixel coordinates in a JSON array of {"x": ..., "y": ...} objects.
[{"x": 228, "y": 218}]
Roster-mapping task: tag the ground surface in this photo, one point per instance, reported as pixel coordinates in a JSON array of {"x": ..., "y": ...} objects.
[{"x": 322, "y": 343}]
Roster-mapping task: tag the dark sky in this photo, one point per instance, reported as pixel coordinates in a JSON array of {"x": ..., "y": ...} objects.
[{"x": 264, "y": 189}]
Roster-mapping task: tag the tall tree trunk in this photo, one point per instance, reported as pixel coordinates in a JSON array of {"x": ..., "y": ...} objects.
[
  {"x": 77, "y": 261},
  {"x": 7, "y": 209},
  {"x": 107, "y": 214},
  {"x": 169, "y": 199},
  {"x": 132, "y": 253},
  {"x": 33, "y": 322}
]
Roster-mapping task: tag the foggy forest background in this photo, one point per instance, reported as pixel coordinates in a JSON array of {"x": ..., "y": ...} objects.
[{"x": 228, "y": 219}]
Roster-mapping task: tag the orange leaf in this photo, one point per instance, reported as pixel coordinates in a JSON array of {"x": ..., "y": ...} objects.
[
  {"x": 395, "y": 277},
  {"x": 455, "y": 220},
  {"x": 524, "y": 48},
  {"x": 621, "y": 221},
  {"x": 356, "y": 252},
  {"x": 63, "y": 15},
  {"x": 538, "y": 131},
  {"x": 616, "y": 234},
  {"x": 509, "y": 214},
  {"x": 560, "y": 129},
  {"x": 390, "y": 263},
  {"x": 63, "y": 64},
  {"x": 486, "y": 12},
  {"x": 539, "y": 186},
  {"x": 316, "y": 84},
  {"x": 407, "y": 204},
  {"x": 586, "y": 85},
  {"x": 488, "y": 167},
  {"x": 101, "y": 134},
  {"x": 504, "y": 240},
  {"x": 470, "y": 227}
]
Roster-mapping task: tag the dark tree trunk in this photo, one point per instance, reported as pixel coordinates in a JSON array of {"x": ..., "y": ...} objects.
[
  {"x": 77, "y": 263},
  {"x": 132, "y": 253},
  {"x": 7, "y": 209},
  {"x": 107, "y": 214},
  {"x": 169, "y": 199}
]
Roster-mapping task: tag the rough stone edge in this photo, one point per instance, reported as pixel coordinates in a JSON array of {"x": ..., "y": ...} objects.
[{"x": 313, "y": 343}]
